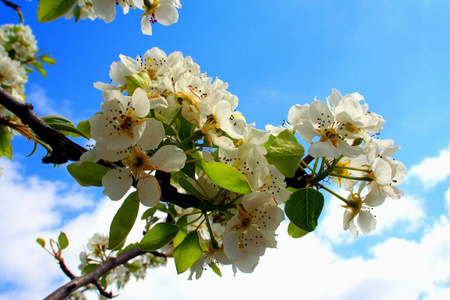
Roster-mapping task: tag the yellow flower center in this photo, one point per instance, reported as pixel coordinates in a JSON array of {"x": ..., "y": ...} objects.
[{"x": 138, "y": 162}]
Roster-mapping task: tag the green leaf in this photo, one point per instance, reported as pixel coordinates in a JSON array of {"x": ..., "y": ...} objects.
[
  {"x": 42, "y": 71},
  {"x": 136, "y": 80},
  {"x": 304, "y": 208},
  {"x": 216, "y": 269},
  {"x": 158, "y": 236},
  {"x": 148, "y": 213},
  {"x": 188, "y": 252},
  {"x": 182, "y": 232},
  {"x": 296, "y": 232},
  {"x": 49, "y": 10},
  {"x": 89, "y": 268},
  {"x": 127, "y": 248},
  {"x": 63, "y": 241},
  {"x": 189, "y": 168},
  {"x": 123, "y": 221},
  {"x": 85, "y": 128},
  {"x": 41, "y": 242},
  {"x": 185, "y": 184},
  {"x": 48, "y": 60},
  {"x": 285, "y": 153},
  {"x": 76, "y": 12},
  {"x": 64, "y": 126},
  {"x": 133, "y": 267},
  {"x": 227, "y": 177},
  {"x": 5, "y": 143},
  {"x": 88, "y": 173},
  {"x": 269, "y": 142},
  {"x": 67, "y": 129}
]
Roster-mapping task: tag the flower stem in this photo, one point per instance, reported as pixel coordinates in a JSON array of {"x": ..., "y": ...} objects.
[
  {"x": 333, "y": 193},
  {"x": 351, "y": 177}
]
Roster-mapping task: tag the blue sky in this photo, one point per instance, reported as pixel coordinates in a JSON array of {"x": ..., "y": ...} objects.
[{"x": 273, "y": 55}]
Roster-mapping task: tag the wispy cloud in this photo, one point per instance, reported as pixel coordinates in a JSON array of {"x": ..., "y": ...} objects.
[{"x": 432, "y": 170}]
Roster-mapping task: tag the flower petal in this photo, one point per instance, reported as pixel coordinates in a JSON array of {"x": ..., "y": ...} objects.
[
  {"x": 149, "y": 191},
  {"x": 168, "y": 158},
  {"x": 166, "y": 14},
  {"x": 117, "y": 182},
  {"x": 366, "y": 221}
]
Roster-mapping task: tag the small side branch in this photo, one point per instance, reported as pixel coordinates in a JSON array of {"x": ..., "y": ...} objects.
[
  {"x": 15, "y": 7},
  {"x": 63, "y": 148},
  {"x": 93, "y": 277}
]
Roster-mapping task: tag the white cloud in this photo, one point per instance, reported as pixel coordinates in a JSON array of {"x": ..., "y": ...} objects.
[
  {"x": 406, "y": 213},
  {"x": 306, "y": 268},
  {"x": 30, "y": 208},
  {"x": 44, "y": 105},
  {"x": 41, "y": 102},
  {"x": 433, "y": 170},
  {"x": 447, "y": 200}
]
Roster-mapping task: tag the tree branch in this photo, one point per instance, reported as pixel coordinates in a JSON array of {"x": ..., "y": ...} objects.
[
  {"x": 93, "y": 277},
  {"x": 63, "y": 148},
  {"x": 15, "y": 7}
]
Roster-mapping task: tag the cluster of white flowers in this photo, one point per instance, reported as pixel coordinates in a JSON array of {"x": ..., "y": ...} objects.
[
  {"x": 135, "y": 131},
  {"x": 346, "y": 129},
  {"x": 17, "y": 49},
  {"x": 162, "y": 11},
  {"x": 161, "y": 113}
]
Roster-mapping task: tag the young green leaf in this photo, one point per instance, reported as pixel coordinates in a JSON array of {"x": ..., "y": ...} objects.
[
  {"x": 133, "y": 267},
  {"x": 5, "y": 143},
  {"x": 41, "y": 242},
  {"x": 85, "y": 128},
  {"x": 49, "y": 10},
  {"x": 188, "y": 252},
  {"x": 296, "y": 232},
  {"x": 285, "y": 153},
  {"x": 227, "y": 177},
  {"x": 77, "y": 12},
  {"x": 46, "y": 59},
  {"x": 64, "y": 126},
  {"x": 88, "y": 173},
  {"x": 216, "y": 269},
  {"x": 123, "y": 221},
  {"x": 63, "y": 241},
  {"x": 158, "y": 236},
  {"x": 304, "y": 208},
  {"x": 89, "y": 268}
]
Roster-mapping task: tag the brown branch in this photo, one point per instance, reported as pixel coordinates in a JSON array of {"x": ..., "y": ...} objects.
[
  {"x": 63, "y": 148},
  {"x": 64, "y": 268},
  {"x": 15, "y": 7},
  {"x": 12, "y": 5},
  {"x": 93, "y": 277},
  {"x": 170, "y": 194},
  {"x": 299, "y": 180}
]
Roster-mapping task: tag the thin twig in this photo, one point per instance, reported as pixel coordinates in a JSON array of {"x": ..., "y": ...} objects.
[
  {"x": 65, "y": 269},
  {"x": 93, "y": 277},
  {"x": 15, "y": 7}
]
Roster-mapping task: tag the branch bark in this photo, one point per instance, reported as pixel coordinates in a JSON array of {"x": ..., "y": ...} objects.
[
  {"x": 63, "y": 148},
  {"x": 15, "y": 7},
  {"x": 93, "y": 277}
]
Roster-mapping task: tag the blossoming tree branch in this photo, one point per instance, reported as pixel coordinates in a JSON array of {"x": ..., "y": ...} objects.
[{"x": 170, "y": 138}]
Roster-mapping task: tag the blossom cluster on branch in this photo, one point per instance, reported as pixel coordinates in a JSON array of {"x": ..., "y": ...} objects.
[
  {"x": 170, "y": 138},
  {"x": 162, "y": 11},
  {"x": 161, "y": 114},
  {"x": 18, "y": 57}
]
